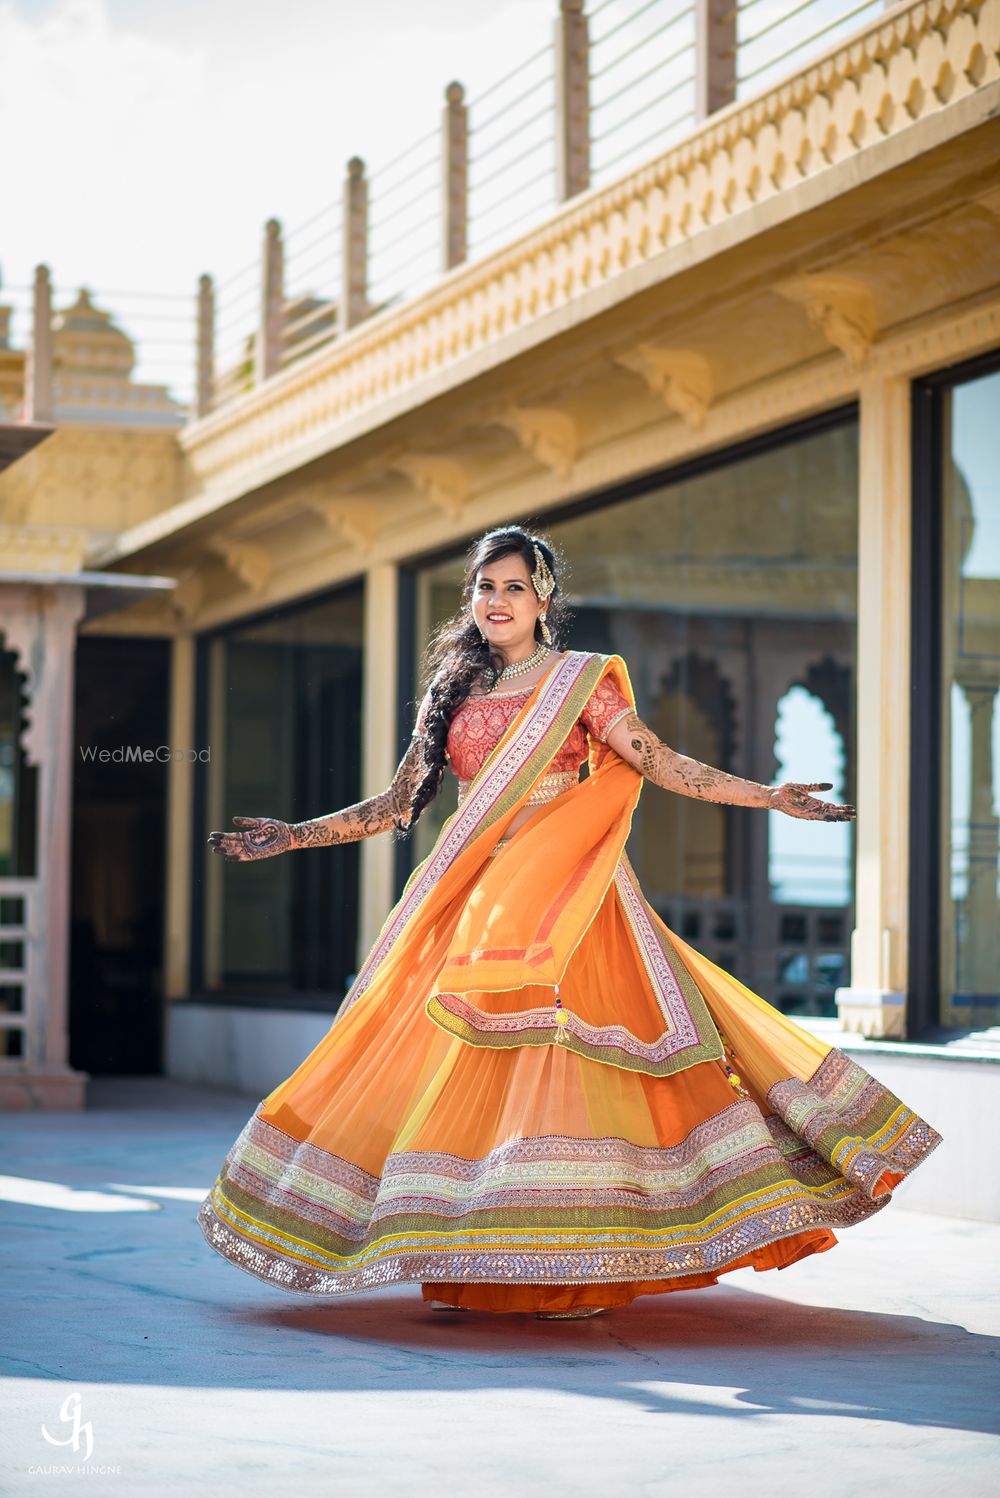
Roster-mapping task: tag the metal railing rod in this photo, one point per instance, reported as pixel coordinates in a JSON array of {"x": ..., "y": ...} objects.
[
  {"x": 412, "y": 254},
  {"x": 480, "y": 125},
  {"x": 634, "y": 82},
  {"x": 406, "y": 237},
  {"x": 598, "y": 41},
  {"x": 636, "y": 114},
  {"x": 237, "y": 275},
  {"x": 489, "y": 92},
  {"x": 378, "y": 191},
  {"x": 314, "y": 315},
  {"x": 226, "y": 316},
  {"x": 327, "y": 268},
  {"x": 161, "y": 342},
  {"x": 308, "y": 223},
  {"x": 335, "y": 234},
  {"x": 404, "y": 154},
  {"x": 375, "y": 224},
  {"x": 642, "y": 42},
  {"x": 541, "y": 114},
  {"x": 521, "y": 188},
  {"x": 648, "y": 140},
  {"x": 514, "y": 161},
  {"x": 290, "y": 353},
  {"x": 805, "y": 41},
  {"x": 527, "y": 216},
  {"x": 779, "y": 20},
  {"x": 224, "y": 331},
  {"x": 61, "y": 290}
]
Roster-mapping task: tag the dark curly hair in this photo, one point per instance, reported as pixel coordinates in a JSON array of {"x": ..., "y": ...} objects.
[{"x": 458, "y": 658}]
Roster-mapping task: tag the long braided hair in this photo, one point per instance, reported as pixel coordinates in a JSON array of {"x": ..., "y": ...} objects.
[{"x": 458, "y": 658}]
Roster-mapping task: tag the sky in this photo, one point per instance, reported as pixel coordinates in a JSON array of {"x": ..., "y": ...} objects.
[{"x": 148, "y": 141}]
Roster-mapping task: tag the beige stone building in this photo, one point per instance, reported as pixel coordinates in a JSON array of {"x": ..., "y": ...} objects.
[{"x": 750, "y": 387}]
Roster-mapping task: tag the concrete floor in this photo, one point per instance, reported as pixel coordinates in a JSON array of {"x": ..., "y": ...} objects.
[{"x": 871, "y": 1368}]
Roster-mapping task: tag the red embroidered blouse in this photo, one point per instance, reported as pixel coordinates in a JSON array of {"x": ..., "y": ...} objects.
[{"x": 480, "y": 723}]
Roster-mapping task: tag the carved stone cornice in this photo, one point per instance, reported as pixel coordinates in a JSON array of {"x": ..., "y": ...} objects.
[
  {"x": 682, "y": 378},
  {"x": 245, "y": 559},
  {"x": 442, "y": 480},
  {"x": 551, "y": 436},
  {"x": 352, "y": 519},
  {"x": 841, "y": 306}
]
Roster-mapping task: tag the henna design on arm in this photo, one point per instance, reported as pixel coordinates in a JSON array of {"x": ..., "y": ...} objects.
[
  {"x": 643, "y": 749},
  {"x": 266, "y": 836},
  {"x": 390, "y": 808}
]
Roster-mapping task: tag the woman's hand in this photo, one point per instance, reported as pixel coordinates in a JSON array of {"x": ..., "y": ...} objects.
[
  {"x": 263, "y": 838},
  {"x": 796, "y": 801}
]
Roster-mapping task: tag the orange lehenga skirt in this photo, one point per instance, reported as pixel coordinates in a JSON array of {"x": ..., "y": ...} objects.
[{"x": 451, "y": 1130}]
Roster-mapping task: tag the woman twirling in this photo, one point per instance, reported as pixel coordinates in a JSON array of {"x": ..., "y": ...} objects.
[{"x": 535, "y": 1097}]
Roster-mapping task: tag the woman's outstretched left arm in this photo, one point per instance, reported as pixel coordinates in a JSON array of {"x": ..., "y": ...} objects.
[{"x": 636, "y": 742}]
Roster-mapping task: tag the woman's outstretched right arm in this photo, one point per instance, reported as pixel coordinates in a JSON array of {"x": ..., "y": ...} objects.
[{"x": 263, "y": 837}]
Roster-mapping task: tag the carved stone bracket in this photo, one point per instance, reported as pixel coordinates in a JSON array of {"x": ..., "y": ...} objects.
[
  {"x": 841, "y": 306},
  {"x": 250, "y": 563},
  {"x": 354, "y": 520},
  {"x": 186, "y": 599},
  {"x": 551, "y": 436},
  {"x": 682, "y": 378},
  {"x": 444, "y": 481}
]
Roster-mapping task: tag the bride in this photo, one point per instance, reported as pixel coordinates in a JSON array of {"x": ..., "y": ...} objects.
[{"x": 535, "y": 1096}]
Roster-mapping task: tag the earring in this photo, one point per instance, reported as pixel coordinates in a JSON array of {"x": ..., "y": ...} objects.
[{"x": 546, "y": 632}]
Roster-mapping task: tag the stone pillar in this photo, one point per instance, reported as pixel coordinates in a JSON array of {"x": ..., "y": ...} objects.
[
  {"x": 354, "y": 275},
  {"x": 572, "y": 100},
  {"x": 875, "y": 1002},
  {"x": 455, "y": 159},
  {"x": 38, "y": 395},
  {"x": 180, "y": 787},
  {"x": 379, "y": 758},
  {"x": 38, "y": 623},
  {"x": 205, "y": 355},
  {"x": 270, "y": 334},
  {"x": 715, "y": 55}
]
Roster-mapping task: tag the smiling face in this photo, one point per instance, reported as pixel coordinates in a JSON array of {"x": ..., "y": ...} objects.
[{"x": 505, "y": 606}]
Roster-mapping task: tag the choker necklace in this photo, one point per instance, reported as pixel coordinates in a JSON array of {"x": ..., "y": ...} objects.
[{"x": 521, "y": 668}]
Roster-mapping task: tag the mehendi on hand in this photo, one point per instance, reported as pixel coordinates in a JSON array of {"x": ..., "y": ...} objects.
[
  {"x": 266, "y": 836},
  {"x": 636, "y": 742}
]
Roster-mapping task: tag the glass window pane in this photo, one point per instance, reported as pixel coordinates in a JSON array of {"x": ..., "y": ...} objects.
[
  {"x": 970, "y": 946},
  {"x": 731, "y": 597},
  {"x": 286, "y": 710},
  {"x": 18, "y": 779}
]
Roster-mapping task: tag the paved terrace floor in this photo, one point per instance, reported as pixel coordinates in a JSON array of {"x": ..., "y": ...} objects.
[{"x": 872, "y": 1368}]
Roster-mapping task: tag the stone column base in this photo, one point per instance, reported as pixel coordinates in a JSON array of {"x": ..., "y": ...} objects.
[
  {"x": 879, "y": 1013},
  {"x": 58, "y": 1088}
]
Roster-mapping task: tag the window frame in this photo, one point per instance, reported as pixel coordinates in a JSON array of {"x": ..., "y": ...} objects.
[
  {"x": 926, "y": 872},
  {"x": 305, "y": 999}
]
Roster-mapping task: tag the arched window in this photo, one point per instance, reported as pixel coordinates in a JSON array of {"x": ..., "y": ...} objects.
[{"x": 808, "y": 863}]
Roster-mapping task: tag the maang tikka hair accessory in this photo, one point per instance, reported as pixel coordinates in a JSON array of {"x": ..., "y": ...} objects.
[{"x": 543, "y": 583}]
